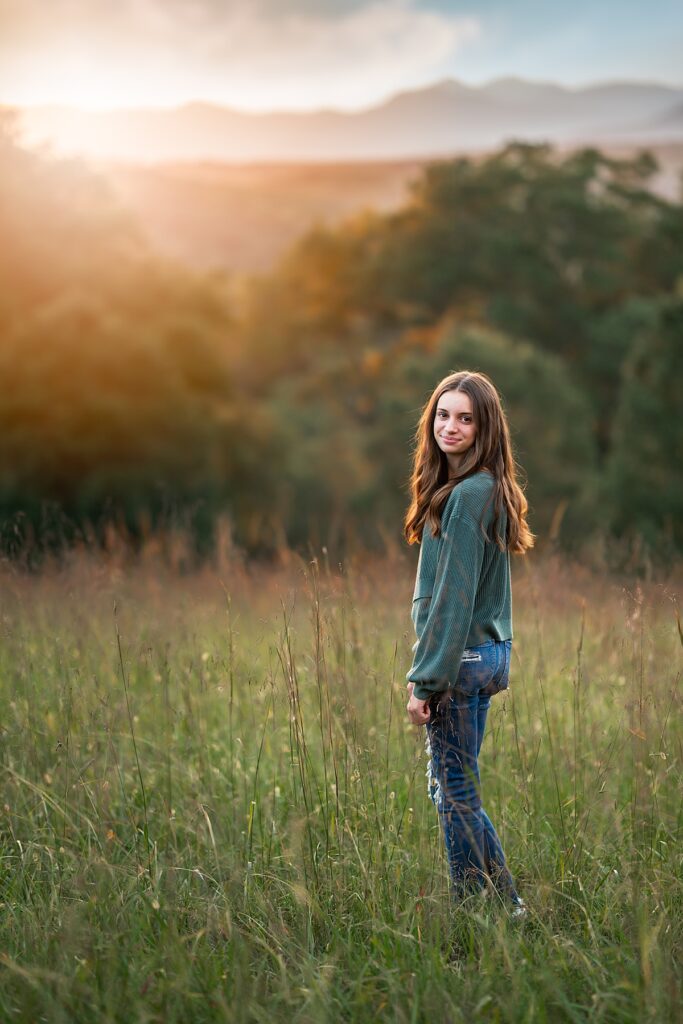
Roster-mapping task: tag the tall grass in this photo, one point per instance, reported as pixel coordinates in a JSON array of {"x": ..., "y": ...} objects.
[{"x": 214, "y": 807}]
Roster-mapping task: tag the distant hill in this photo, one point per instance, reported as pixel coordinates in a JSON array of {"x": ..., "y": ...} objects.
[
  {"x": 243, "y": 217},
  {"x": 433, "y": 121}
]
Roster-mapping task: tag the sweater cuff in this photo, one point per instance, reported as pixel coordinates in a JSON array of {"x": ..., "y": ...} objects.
[{"x": 424, "y": 692}]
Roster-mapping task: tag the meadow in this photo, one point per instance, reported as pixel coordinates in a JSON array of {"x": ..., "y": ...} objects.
[{"x": 214, "y": 807}]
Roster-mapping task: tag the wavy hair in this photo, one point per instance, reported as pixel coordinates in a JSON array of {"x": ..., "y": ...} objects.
[{"x": 431, "y": 484}]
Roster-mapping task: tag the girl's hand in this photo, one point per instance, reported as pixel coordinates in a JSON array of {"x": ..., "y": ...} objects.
[{"x": 418, "y": 711}]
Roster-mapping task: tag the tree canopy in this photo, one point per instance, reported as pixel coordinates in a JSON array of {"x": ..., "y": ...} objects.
[{"x": 290, "y": 403}]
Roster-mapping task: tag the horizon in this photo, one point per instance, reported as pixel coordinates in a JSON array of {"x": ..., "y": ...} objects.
[{"x": 199, "y": 101}]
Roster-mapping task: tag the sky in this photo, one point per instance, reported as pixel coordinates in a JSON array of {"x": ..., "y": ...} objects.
[{"x": 312, "y": 54}]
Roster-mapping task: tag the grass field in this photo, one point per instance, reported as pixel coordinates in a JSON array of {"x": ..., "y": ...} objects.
[{"x": 214, "y": 807}]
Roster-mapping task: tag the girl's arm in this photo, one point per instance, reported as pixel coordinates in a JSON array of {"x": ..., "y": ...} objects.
[{"x": 438, "y": 651}]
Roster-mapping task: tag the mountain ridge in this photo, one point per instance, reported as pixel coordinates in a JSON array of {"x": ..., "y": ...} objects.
[{"x": 444, "y": 117}]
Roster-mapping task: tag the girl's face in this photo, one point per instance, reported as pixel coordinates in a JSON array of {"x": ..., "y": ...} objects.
[{"x": 454, "y": 428}]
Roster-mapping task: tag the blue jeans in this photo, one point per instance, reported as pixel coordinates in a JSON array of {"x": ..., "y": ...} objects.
[{"x": 455, "y": 732}]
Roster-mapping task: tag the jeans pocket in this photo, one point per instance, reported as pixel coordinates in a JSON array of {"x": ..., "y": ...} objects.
[
  {"x": 477, "y": 667},
  {"x": 502, "y": 679},
  {"x": 500, "y": 675}
]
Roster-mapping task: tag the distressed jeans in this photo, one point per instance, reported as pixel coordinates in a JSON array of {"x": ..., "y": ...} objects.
[{"x": 455, "y": 732}]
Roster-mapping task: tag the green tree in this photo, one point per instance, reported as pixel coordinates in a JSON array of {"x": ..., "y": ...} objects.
[
  {"x": 348, "y": 427},
  {"x": 550, "y": 418},
  {"x": 563, "y": 252},
  {"x": 98, "y": 411},
  {"x": 644, "y": 479}
]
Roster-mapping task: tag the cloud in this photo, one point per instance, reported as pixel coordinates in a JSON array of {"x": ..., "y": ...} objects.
[{"x": 249, "y": 54}]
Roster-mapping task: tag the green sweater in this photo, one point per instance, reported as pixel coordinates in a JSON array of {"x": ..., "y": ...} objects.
[{"x": 462, "y": 593}]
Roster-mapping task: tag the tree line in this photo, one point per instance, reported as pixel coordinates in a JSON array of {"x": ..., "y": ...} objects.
[{"x": 136, "y": 392}]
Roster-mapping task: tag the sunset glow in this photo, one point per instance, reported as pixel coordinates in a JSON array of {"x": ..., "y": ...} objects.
[
  {"x": 84, "y": 84},
  {"x": 162, "y": 56}
]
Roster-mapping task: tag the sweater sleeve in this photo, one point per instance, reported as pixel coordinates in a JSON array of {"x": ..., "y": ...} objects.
[{"x": 438, "y": 651}]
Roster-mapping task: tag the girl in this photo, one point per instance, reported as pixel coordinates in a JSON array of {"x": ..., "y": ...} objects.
[{"x": 469, "y": 513}]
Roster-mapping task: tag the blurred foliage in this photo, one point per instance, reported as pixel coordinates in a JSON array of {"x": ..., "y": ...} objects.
[
  {"x": 134, "y": 389},
  {"x": 118, "y": 396},
  {"x": 644, "y": 469}
]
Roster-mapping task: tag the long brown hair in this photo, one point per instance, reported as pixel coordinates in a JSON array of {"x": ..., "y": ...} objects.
[{"x": 430, "y": 484}]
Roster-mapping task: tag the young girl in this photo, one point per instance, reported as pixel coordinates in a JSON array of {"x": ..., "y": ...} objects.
[{"x": 469, "y": 513}]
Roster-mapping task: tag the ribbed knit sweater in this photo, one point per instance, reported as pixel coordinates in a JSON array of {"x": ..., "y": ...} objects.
[{"x": 462, "y": 593}]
